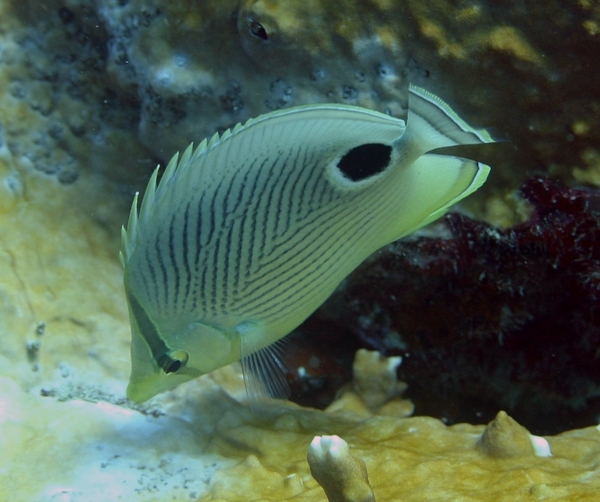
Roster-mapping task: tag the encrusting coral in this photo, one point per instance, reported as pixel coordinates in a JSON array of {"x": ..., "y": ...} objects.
[
  {"x": 206, "y": 446},
  {"x": 168, "y": 73},
  {"x": 375, "y": 377}
]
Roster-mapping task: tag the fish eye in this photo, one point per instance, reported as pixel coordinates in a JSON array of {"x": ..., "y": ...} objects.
[
  {"x": 173, "y": 361},
  {"x": 257, "y": 29},
  {"x": 364, "y": 161},
  {"x": 173, "y": 366}
]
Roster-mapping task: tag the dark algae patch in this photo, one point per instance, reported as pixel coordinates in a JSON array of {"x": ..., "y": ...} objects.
[{"x": 489, "y": 319}]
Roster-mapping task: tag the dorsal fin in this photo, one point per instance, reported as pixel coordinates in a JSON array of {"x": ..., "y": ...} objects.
[
  {"x": 432, "y": 123},
  {"x": 170, "y": 169},
  {"x": 130, "y": 234},
  {"x": 126, "y": 237},
  {"x": 216, "y": 137},
  {"x": 150, "y": 193},
  {"x": 133, "y": 222}
]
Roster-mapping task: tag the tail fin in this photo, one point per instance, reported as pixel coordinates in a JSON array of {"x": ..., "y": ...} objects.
[{"x": 433, "y": 124}]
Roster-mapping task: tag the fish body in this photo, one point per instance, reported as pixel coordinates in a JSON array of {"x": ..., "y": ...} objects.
[{"x": 249, "y": 233}]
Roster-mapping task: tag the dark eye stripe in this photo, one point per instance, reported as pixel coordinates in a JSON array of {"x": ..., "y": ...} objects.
[{"x": 147, "y": 328}]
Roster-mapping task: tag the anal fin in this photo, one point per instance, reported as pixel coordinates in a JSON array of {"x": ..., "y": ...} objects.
[{"x": 264, "y": 374}]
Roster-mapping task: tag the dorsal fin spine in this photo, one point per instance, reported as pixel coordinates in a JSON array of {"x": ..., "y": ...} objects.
[
  {"x": 171, "y": 168},
  {"x": 128, "y": 235},
  {"x": 185, "y": 158},
  {"x": 199, "y": 150},
  {"x": 149, "y": 195},
  {"x": 214, "y": 139}
]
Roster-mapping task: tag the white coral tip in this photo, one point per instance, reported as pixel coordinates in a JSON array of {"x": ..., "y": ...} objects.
[
  {"x": 321, "y": 446},
  {"x": 541, "y": 447}
]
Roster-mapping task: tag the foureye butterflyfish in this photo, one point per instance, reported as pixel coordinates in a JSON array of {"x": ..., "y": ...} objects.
[{"x": 249, "y": 233}]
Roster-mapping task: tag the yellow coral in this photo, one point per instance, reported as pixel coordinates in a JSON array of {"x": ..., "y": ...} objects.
[
  {"x": 343, "y": 476},
  {"x": 591, "y": 172},
  {"x": 510, "y": 40},
  {"x": 503, "y": 438},
  {"x": 375, "y": 388}
]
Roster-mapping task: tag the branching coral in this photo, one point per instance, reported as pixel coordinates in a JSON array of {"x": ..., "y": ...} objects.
[
  {"x": 375, "y": 388},
  {"x": 343, "y": 476}
]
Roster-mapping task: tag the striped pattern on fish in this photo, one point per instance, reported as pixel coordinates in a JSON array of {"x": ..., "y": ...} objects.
[{"x": 246, "y": 235}]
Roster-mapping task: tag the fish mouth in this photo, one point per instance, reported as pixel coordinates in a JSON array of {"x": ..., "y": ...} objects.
[{"x": 138, "y": 394}]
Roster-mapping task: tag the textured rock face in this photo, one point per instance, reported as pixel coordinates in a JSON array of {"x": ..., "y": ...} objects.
[
  {"x": 62, "y": 311},
  {"x": 62, "y": 408},
  {"x": 204, "y": 67},
  {"x": 167, "y": 73}
]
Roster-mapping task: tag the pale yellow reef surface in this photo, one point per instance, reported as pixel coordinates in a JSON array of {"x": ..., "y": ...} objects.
[
  {"x": 58, "y": 265},
  {"x": 62, "y": 308}
]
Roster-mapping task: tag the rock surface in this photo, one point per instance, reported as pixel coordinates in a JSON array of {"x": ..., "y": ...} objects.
[{"x": 142, "y": 79}]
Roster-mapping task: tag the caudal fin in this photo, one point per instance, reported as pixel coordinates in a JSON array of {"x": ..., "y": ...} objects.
[{"x": 433, "y": 124}]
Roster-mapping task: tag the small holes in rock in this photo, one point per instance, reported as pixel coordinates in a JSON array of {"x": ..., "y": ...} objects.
[{"x": 257, "y": 29}]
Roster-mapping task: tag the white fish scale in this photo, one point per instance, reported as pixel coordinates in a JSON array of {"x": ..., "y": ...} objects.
[
  {"x": 290, "y": 190},
  {"x": 363, "y": 228},
  {"x": 262, "y": 238},
  {"x": 304, "y": 241},
  {"x": 349, "y": 246},
  {"x": 310, "y": 294}
]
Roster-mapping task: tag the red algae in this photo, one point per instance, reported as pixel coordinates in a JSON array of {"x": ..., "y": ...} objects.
[{"x": 489, "y": 319}]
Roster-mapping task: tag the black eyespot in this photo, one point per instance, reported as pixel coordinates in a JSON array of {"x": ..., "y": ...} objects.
[
  {"x": 365, "y": 160},
  {"x": 257, "y": 29}
]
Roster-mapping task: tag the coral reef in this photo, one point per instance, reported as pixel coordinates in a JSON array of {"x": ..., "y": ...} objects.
[
  {"x": 505, "y": 438},
  {"x": 198, "y": 443},
  {"x": 64, "y": 363},
  {"x": 59, "y": 116},
  {"x": 485, "y": 319},
  {"x": 343, "y": 476},
  {"x": 61, "y": 312},
  {"x": 492, "y": 318},
  {"x": 375, "y": 388}
]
